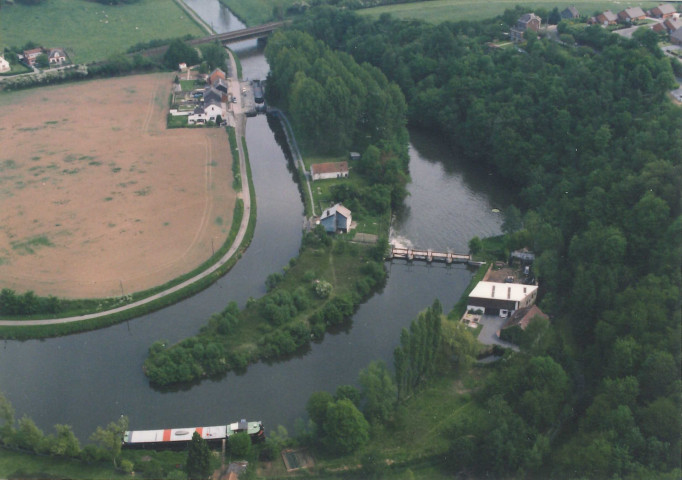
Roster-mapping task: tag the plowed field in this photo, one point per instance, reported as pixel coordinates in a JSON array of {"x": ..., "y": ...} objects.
[{"x": 98, "y": 198}]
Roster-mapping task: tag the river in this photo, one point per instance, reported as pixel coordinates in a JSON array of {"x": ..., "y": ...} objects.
[{"x": 90, "y": 379}]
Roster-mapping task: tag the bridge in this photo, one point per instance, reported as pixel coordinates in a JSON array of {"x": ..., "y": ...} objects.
[
  {"x": 261, "y": 31},
  {"x": 412, "y": 254},
  {"x": 235, "y": 36}
]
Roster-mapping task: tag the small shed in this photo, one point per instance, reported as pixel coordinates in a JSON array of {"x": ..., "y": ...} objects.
[{"x": 354, "y": 156}]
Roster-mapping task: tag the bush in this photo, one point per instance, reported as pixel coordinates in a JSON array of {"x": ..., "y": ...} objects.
[{"x": 322, "y": 288}]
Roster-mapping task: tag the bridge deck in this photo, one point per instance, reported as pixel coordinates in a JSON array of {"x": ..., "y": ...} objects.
[{"x": 411, "y": 254}]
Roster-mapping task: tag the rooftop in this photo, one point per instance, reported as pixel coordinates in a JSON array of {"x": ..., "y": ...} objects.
[
  {"x": 502, "y": 291},
  {"x": 329, "y": 167}
]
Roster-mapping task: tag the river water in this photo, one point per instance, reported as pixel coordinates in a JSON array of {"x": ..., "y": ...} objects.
[{"x": 90, "y": 379}]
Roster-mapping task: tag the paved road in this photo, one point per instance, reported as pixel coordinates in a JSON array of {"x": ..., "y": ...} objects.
[
  {"x": 488, "y": 336},
  {"x": 240, "y": 122}
]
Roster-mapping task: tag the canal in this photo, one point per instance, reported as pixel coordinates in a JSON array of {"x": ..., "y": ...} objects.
[{"x": 90, "y": 379}]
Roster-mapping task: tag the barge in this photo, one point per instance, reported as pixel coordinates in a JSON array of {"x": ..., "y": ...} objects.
[{"x": 180, "y": 437}]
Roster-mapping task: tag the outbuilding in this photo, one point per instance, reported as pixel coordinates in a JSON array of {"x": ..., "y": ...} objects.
[
  {"x": 494, "y": 298},
  {"x": 336, "y": 219},
  {"x": 322, "y": 171}
]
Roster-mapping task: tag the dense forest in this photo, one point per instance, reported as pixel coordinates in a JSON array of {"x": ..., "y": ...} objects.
[{"x": 592, "y": 142}]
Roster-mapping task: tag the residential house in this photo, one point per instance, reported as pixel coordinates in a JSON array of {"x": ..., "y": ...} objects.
[
  {"x": 523, "y": 316},
  {"x": 501, "y": 298},
  {"x": 201, "y": 115},
  {"x": 631, "y": 14},
  {"x": 570, "y": 13},
  {"x": 215, "y": 75},
  {"x": 336, "y": 219},
  {"x": 182, "y": 67},
  {"x": 220, "y": 85},
  {"x": 211, "y": 95},
  {"x": 31, "y": 55},
  {"x": 672, "y": 24},
  {"x": 607, "y": 18},
  {"x": 676, "y": 37},
  {"x": 665, "y": 10},
  {"x": 659, "y": 28},
  {"x": 56, "y": 56},
  {"x": 322, "y": 171},
  {"x": 212, "y": 112},
  {"x": 198, "y": 117},
  {"x": 528, "y": 21},
  {"x": 4, "y": 65}
]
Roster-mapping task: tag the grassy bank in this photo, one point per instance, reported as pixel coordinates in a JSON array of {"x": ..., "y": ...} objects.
[
  {"x": 91, "y": 31},
  {"x": 80, "y": 307},
  {"x": 437, "y": 11}
]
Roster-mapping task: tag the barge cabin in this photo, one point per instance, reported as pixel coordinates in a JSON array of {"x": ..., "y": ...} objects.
[{"x": 180, "y": 437}]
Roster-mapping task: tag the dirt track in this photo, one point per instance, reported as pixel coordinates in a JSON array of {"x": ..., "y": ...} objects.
[{"x": 98, "y": 198}]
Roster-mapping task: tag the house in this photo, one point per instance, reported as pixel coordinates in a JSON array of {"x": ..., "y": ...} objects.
[
  {"x": 220, "y": 85},
  {"x": 631, "y": 14},
  {"x": 676, "y": 37},
  {"x": 323, "y": 171},
  {"x": 336, "y": 219},
  {"x": 4, "y": 65},
  {"x": 607, "y": 18},
  {"x": 354, "y": 156},
  {"x": 494, "y": 297},
  {"x": 31, "y": 55},
  {"x": 665, "y": 10},
  {"x": 212, "y": 96},
  {"x": 528, "y": 21},
  {"x": 523, "y": 316},
  {"x": 197, "y": 117},
  {"x": 570, "y": 13},
  {"x": 202, "y": 115},
  {"x": 212, "y": 112},
  {"x": 56, "y": 56},
  {"x": 659, "y": 28},
  {"x": 672, "y": 24},
  {"x": 215, "y": 75},
  {"x": 182, "y": 67}
]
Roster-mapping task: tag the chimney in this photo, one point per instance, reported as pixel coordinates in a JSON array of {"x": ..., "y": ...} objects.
[
  {"x": 508, "y": 293},
  {"x": 493, "y": 294}
]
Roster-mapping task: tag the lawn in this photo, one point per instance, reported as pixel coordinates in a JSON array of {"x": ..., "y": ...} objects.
[
  {"x": 91, "y": 31},
  {"x": 437, "y": 11}
]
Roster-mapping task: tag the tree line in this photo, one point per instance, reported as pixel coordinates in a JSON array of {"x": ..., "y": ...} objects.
[{"x": 592, "y": 143}]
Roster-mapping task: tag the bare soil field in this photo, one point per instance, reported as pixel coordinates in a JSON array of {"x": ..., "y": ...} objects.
[{"x": 98, "y": 198}]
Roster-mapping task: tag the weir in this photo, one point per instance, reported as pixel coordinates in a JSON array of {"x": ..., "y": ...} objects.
[{"x": 412, "y": 254}]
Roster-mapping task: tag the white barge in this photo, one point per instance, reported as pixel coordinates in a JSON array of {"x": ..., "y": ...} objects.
[{"x": 180, "y": 437}]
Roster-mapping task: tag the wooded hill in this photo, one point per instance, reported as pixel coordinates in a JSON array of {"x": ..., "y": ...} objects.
[{"x": 592, "y": 142}]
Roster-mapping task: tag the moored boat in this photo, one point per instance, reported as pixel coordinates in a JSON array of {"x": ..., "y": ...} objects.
[{"x": 179, "y": 437}]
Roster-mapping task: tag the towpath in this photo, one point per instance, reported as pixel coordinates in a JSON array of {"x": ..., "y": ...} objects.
[{"x": 239, "y": 122}]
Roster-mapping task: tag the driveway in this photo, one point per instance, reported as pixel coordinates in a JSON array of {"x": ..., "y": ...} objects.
[{"x": 488, "y": 336}]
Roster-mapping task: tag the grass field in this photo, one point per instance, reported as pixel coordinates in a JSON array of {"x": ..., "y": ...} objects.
[
  {"x": 437, "y": 11},
  {"x": 254, "y": 12},
  {"x": 91, "y": 31}
]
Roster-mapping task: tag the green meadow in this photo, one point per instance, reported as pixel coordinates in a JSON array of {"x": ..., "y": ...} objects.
[
  {"x": 254, "y": 12},
  {"x": 91, "y": 31},
  {"x": 437, "y": 11}
]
